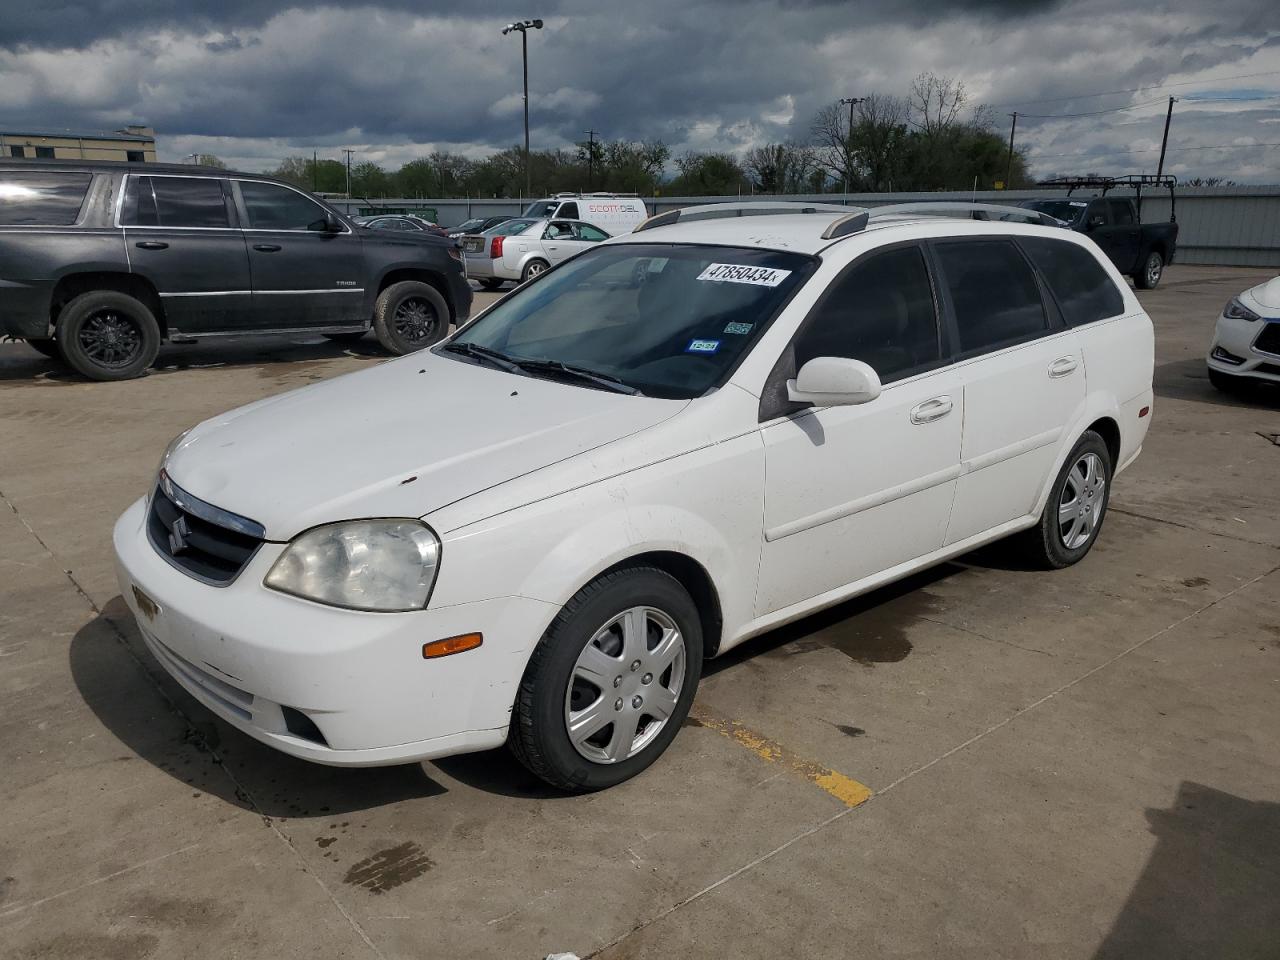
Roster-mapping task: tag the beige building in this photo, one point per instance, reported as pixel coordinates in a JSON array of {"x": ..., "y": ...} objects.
[{"x": 134, "y": 143}]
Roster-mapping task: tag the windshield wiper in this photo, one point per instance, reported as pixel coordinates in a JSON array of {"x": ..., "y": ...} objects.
[
  {"x": 602, "y": 380},
  {"x": 492, "y": 357}
]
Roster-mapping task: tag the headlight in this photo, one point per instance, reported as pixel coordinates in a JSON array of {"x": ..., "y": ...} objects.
[
  {"x": 384, "y": 565},
  {"x": 1235, "y": 310}
]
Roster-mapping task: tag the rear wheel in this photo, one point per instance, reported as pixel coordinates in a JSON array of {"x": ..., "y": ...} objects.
[
  {"x": 107, "y": 335},
  {"x": 611, "y": 681},
  {"x": 410, "y": 316},
  {"x": 533, "y": 269},
  {"x": 1152, "y": 270},
  {"x": 1076, "y": 507},
  {"x": 47, "y": 346}
]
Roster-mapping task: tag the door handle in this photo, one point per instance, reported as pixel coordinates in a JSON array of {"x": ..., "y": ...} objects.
[
  {"x": 151, "y": 245},
  {"x": 1063, "y": 366},
  {"x": 267, "y": 247},
  {"x": 930, "y": 410}
]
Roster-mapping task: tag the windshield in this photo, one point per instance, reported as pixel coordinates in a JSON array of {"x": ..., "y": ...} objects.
[
  {"x": 509, "y": 228},
  {"x": 667, "y": 320},
  {"x": 541, "y": 208},
  {"x": 1068, "y": 210}
]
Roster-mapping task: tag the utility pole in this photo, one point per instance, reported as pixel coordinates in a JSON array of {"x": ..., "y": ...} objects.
[
  {"x": 348, "y": 153},
  {"x": 1165, "y": 142},
  {"x": 848, "y": 149},
  {"x": 1008, "y": 170},
  {"x": 591, "y": 157},
  {"x": 524, "y": 26},
  {"x": 315, "y": 162}
]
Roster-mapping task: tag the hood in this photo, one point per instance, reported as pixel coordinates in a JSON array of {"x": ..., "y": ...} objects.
[
  {"x": 1267, "y": 294},
  {"x": 398, "y": 440}
]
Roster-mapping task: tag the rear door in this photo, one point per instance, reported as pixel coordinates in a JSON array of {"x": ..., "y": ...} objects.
[
  {"x": 181, "y": 233},
  {"x": 304, "y": 275},
  {"x": 1022, "y": 375}
]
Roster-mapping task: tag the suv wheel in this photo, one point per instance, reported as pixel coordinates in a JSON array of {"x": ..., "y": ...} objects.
[
  {"x": 107, "y": 335},
  {"x": 611, "y": 681},
  {"x": 410, "y": 316},
  {"x": 1149, "y": 276},
  {"x": 1076, "y": 507}
]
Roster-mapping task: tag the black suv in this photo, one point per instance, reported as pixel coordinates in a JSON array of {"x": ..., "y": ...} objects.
[{"x": 100, "y": 262}]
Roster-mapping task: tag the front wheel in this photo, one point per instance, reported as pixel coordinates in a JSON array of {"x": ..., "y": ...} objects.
[
  {"x": 534, "y": 268},
  {"x": 1148, "y": 278},
  {"x": 1076, "y": 507},
  {"x": 107, "y": 335},
  {"x": 409, "y": 316},
  {"x": 610, "y": 682}
]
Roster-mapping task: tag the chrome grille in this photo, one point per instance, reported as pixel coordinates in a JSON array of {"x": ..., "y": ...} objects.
[{"x": 199, "y": 539}]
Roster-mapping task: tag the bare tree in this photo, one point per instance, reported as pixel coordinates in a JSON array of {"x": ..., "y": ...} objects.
[
  {"x": 780, "y": 167},
  {"x": 833, "y": 145},
  {"x": 867, "y": 155},
  {"x": 936, "y": 103}
]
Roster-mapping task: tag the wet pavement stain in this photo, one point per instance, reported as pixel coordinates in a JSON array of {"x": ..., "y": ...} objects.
[
  {"x": 1195, "y": 582},
  {"x": 849, "y": 731},
  {"x": 323, "y": 842},
  {"x": 867, "y": 634},
  {"x": 388, "y": 869}
]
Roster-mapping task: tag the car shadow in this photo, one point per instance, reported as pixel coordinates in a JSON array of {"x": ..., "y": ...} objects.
[
  {"x": 161, "y": 723},
  {"x": 1189, "y": 380},
  {"x": 1209, "y": 888}
]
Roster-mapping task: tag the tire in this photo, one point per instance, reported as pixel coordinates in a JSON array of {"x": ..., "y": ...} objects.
[
  {"x": 491, "y": 283},
  {"x": 47, "y": 346},
  {"x": 1148, "y": 278},
  {"x": 1054, "y": 543},
  {"x": 107, "y": 335},
  {"x": 410, "y": 316},
  {"x": 554, "y": 686},
  {"x": 533, "y": 269},
  {"x": 351, "y": 337}
]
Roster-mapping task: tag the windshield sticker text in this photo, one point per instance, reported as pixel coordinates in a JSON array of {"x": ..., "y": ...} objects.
[
  {"x": 738, "y": 328},
  {"x": 738, "y": 273},
  {"x": 702, "y": 346}
]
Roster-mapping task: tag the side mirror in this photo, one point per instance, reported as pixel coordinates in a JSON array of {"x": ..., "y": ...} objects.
[{"x": 834, "y": 381}]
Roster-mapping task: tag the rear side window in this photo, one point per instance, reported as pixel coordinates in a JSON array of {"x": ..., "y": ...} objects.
[
  {"x": 273, "y": 207},
  {"x": 881, "y": 312},
  {"x": 994, "y": 293},
  {"x": 1078, "y": 282},
  {"x": 587, "y": 232},
  {"x": 42, "y": 199},
  {"x": 174, "y": 202}
]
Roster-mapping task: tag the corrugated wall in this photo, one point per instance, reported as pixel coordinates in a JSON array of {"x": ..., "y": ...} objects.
[{"x": 1227, "y": 226}]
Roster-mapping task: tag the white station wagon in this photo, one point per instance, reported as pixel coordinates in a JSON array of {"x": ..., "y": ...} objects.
[{"x": 536, "y": 532}]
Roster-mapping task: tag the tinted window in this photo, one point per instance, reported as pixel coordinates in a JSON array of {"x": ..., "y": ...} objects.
[
  {"x": 174, "y": 202},
  {"x": 994, "y": 293},
  {"x": 1098, "y": 214},
  {"x": 1081, "y": 286},
  {"x": 880, "y": 312},
  {"x": 1121, "y": 213},
  {"x": 273, "y": 207},
  {"x": 569, "y": 211},
  {"x": 41, "y": 199}
]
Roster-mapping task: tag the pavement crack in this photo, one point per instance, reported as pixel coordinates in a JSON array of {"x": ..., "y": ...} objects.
[
  {"x": 1111, "y": 508},
  {"x": 983, "y": 636}
]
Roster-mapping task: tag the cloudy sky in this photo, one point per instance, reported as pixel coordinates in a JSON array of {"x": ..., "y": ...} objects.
[{"x": 253, "y": 81}]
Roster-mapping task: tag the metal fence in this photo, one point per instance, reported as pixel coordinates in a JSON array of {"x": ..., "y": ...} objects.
[{"x": 1225, "y": 226}]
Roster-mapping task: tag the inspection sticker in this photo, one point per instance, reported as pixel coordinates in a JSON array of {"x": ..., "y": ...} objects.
[
  {"x": 738, "y": 328},
  {"x": 740, "y": 273},
  {"x": 702, "y": 346}
]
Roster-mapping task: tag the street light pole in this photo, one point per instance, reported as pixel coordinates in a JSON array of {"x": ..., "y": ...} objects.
[
  {"x": 524, "y": 26},
  {"x": 348, "y": 153},
  {"x": 1165, "y": 141},
  {"x": 1008, "y": 172}
]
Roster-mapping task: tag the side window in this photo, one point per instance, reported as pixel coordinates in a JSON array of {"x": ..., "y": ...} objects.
[
  {"x": 1097, "y": 214},
  {"x": 174, "y": 202},
  {"x": 1121, "y": 213},
  {"x": 1083, "y": 289},
  {"x": 994, "y": 294},
  {"x": 881, "y": 312},
  {"x": 16, "y": 150},
  {"x": 568, "y": 210},
  {"x": 587, "y": 232},
  {"x": 44, "y": 153},
  {"x": 273, "y": 207},
  {"x": 41, "y": 199},
  {"x": 135, "y": 156},
  {"x": 558, "y": 231}
]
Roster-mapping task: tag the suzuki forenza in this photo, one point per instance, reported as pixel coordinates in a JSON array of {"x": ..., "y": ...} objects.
[{"x": 538, "y": 530}]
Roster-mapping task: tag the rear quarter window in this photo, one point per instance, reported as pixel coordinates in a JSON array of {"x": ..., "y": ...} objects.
[
  {"x": 1084, "y": 290},
  {"x": 42, "y": 199},
  {"x": 993, "y": 292}
]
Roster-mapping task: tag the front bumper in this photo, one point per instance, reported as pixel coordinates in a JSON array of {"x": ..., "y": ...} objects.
[
  {"x": 252, "y": 655},
  {"x": 1236, "y": 338}
]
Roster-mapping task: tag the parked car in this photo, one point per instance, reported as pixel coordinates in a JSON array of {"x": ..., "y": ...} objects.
[
  {"x": 614, "y": 213},
  {"x": 476, "y": 225},
  {"x": 1246, "y": 341},
  {"x": 102, "y": 261},
  {"x": 520, "y": 249},
  {"x": 1140, "y": 250},
  {"x": 400, "y": 221},
  {"x": 676, "y": 441}
]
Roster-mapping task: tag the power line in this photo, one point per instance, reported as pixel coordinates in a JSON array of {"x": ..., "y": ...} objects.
[
  {"x": 1164, "y": 86},
  {"x": 1274, "y": 96},
  {"x": 1091, "y": 113},
  {"x": 1116, "y": 153}
]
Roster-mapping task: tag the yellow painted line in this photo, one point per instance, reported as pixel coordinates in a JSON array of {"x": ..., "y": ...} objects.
[{"x": 845, "y": 789}]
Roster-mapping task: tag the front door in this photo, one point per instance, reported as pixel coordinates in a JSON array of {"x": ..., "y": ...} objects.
[
  {"x": 180, "y": 235},
  {"x": 851, "y": 491},
  {"x": 304, "y": 275},
  {"x": 1023, "y": 381}
]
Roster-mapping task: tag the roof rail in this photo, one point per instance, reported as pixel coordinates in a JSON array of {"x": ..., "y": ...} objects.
[
  {"x": 756, "y": 208},
  {"x": 952, "y": 208}
]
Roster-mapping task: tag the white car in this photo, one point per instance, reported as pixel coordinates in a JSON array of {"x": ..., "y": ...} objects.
[
  {"x": 678, "y": 440},
  {"x": 520, "y": 249},
  {"x": 1246, "y": 341}
]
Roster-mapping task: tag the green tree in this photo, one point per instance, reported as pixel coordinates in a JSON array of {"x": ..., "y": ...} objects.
[{"x": 709, "y": 174}]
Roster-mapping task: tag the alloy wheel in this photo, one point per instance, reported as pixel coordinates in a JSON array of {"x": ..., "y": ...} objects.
[
  {"x": 625, "y": 686},
  {"x": 1080, "y": 507},
  {"x": 1154, "y": 268},
  {"x": 415, "y": 319},
  {"x": 110, "y": 339}
]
